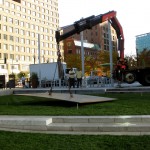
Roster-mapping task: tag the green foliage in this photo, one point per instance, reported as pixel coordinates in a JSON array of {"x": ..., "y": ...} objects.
[
  {"x": 132, "y": 61},
  {"x": 73, "y": 60},
  {"x": 21, "y": 74},
  {"x": 144, "y": 58},
  {"x": 34, "y": 75}
]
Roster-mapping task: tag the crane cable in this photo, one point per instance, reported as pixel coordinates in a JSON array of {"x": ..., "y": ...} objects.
[{"x": 58, "y": 60}]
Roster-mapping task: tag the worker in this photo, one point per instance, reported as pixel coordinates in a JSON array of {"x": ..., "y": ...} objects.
[
  {"x": 79, "y": 78},
  {"x": 71, "y": 78}
]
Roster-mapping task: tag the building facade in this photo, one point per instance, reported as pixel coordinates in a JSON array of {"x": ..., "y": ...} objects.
[
  {"x": 99, "y": 35},
  {"x": 142, "y": 42},
  {"x": 27, "y": 29},
  {"x": 72, "y": 46}
]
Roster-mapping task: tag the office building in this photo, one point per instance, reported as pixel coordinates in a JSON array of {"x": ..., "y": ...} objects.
[
  {"x": 27, "y": 34},
  {"x": 142, "y": 42}
]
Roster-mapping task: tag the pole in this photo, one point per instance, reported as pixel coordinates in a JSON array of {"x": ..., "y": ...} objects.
[
  {"x": 39, "y": 59},
  {"x": 39, "y": 48},
  {"x": 82, "y": 53},
  {"x": 110, "y": 54}
]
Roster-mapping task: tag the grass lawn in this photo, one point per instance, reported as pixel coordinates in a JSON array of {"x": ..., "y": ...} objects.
[
  {"x": 126, "y": 104},
  {"x": 30, "y": 141}
]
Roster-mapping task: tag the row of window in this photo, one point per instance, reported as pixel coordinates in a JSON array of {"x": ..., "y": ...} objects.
[
  {"x": 78, "y": 51},
  {"x": 41, "y": 18},
  {"x": 15, "y": 58},
  {"x": 27, "y": 25},
  {"x": 27, "y": 41},
  {"x": 33, "y": 5},
  {"x": 27, "y": 50}
]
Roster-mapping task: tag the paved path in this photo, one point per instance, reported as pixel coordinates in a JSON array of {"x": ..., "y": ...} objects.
[{"x": 92, "y": 125}]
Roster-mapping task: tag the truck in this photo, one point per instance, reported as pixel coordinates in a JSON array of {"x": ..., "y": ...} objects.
[
  {"x": 47, "y": 71},
  {"x": 121, "y": 73}
]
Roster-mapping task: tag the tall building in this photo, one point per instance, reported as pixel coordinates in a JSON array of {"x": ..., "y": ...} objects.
[
  {"x": 22, "y": 24},
  {"x": 142, "y": 42}
]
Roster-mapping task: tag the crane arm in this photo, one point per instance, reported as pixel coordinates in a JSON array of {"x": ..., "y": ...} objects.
[{"x": 89, "y": 22}]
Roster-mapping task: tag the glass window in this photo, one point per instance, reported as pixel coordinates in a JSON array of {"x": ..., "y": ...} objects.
[
  {"x": 5, "y": 37},
  {"x": 11, "y": 29},
  {"x": 11, "y": 38},
  {"x": 11, "y": 47},
  {"x": 17, "y": 48},
  {"x": 5, "y": 46}
]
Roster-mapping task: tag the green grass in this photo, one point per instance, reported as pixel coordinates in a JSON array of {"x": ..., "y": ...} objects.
[
  {"x": 35, "y": 141},
  {"x": 126, "y": 104}
]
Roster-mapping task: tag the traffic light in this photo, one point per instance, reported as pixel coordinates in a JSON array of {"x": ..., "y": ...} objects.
[{"x": 5, "y": 60}]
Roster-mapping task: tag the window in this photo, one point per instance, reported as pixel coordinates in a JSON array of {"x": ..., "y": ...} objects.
[
  {"x": 5, "y": 37},
  {"x": 28, "y": 41},
  {"x": 11, "y": 20},
  {"x": 23, "y": 49},
  {"x": 22, "y": 23},
  {"x": 51, "y": 38},
  {"x": 18, "y": 8},
  {"x": 7, "y": 4},
  {"x": 27, "y": 25},
  {"x": 28, "y": 33},
  {"x": 29, "y": 12},
  {"x": 33, "y": 34},
  {"x": 17, "y": 30},
  {"x": 4, "y": 28},
  {"x": 1, "y": 1},
  {"x": 32, "y": 26},
  {"x": 17, "y": 22},
  {"x": 11, "y": 47},
  {"x": 37, "y": 27},
  {"x": 11, "y": 29},
  {"x": 28, "y": 50},
  {"x": 11, "y": 56},
  {"x": 28, "y": 4},
  {"x": 22, "y": 32},
  {"x": 34, "y": 13},
  {"x": 11, "y": 38},
  {"x": 5, "y": 46},
  {"x": 22, "y": 40},
  {"x": 5, "y": 18},
  {"x": 17, "y": 39},
  {"x": 69, "y": 51},
  {"x": 23, "y": 10},
  {"x": 28, "y": 58},
  {"x": 33, "y": 42},
  {"x": 17, "y": 48},
  {"x": 22, "y": 57}
]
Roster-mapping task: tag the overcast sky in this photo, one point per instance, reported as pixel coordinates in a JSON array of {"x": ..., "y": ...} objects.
[{"x": 134, "y": 15}]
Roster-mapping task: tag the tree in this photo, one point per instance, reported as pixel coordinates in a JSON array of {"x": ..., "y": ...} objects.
[
  {"x": 73, "y": 60},
  {"x": 132, "y": 61},
  {"x": 144, "y": 58}
]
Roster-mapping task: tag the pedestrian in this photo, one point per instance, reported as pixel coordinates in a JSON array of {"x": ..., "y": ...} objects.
[
  {"x": 23, "y": 81},
  {"x": 71, "y": 78},
  {"x": 79, "y": 78}
]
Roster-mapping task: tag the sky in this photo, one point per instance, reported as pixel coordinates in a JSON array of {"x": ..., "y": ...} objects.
[{"x": 133, "y": 15}]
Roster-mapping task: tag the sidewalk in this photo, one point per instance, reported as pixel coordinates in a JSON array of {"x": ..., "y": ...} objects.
[{"x": 92, "y": 125}]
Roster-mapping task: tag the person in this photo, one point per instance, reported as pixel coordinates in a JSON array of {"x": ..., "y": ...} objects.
[
  {"x": 71, "y": 78},
  {"x": 23, "y": 81},
  {"x": 79, "y": 78}
]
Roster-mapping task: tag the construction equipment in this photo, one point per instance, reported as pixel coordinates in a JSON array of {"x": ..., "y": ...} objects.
[{"x": 121, "y": 72}]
